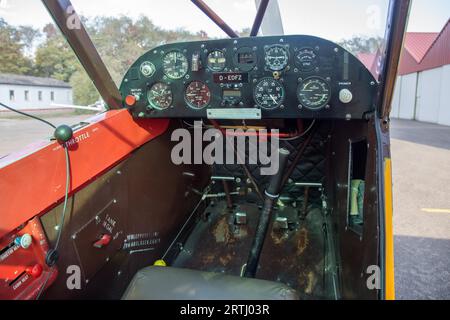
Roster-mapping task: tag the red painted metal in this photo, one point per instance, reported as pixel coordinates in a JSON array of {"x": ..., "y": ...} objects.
[
  {"x": 32, "y": 181},
  {"x": 24, "y": 271}
]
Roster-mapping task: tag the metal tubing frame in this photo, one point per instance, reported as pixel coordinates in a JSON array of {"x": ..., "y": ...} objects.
[
  {"x": 259, "y": 17},
  {"x": 215, "y": 18}
]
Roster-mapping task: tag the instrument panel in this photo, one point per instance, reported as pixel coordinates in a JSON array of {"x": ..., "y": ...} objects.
[{"x": 249, "y": 78}]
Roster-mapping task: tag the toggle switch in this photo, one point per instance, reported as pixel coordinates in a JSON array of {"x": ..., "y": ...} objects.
[
  {"x": 103, "y": 241},
  {"x": 24, "y": 241}
]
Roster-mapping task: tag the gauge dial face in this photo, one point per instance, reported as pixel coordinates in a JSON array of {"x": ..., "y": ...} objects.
[
  {"x": 306, "y": 59},
  {"x": 175, "y": 65},
  {"x": 314, "y": 93},
  {"x": 216, "y": 60},
  {"x": 277, "y": 57},
  {"x": 269, "y": 93},
  {"x": 160, "y": 96},
  {"x": 197, "y": 95}
]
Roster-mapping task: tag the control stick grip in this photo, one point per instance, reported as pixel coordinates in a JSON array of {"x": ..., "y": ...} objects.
[{"x": 273, "y": 188}]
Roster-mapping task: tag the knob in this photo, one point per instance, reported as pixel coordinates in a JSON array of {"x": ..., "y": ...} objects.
[
  {"x": 24, "y": 241},
  {"x": 345, "y": 96},
  {"x": 35, "y": 271},
  {"x": 147, "y": 70},
  {"x": 130, "y": 100}
]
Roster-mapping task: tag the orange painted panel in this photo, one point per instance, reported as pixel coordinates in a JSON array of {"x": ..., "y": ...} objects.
[{"x": 33, "y": 181}]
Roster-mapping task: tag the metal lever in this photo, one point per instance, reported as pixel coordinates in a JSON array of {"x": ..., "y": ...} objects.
[
  {"x": 271, "y": 196},
  {"x": 103, "y": 241}
]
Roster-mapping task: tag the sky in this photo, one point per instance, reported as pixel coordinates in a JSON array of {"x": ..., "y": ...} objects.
[{"x": 330, "y": 19}]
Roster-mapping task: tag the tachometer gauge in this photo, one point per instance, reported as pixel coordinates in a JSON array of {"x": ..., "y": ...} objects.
[
  {"x": 314, "y": 93},
  {"x": 197, "y": 95},
  {"x": 175, "y": 65},
  {"x": 216, "y": 60},
  {"x": 277, "y": 57},
  {"x": 160, "y": 96},
  {"x": 306, "y": 59},
  {"x": 269, "y": 93}
]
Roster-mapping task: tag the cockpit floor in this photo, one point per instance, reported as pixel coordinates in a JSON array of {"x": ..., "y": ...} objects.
[{"x": 293, "y": 256}]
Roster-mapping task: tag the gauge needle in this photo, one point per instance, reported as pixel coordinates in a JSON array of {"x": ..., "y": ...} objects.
[{"x": 273, "y": 98}]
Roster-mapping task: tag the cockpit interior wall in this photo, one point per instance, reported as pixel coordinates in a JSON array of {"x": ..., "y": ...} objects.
[{"x": 141, "y": 202}]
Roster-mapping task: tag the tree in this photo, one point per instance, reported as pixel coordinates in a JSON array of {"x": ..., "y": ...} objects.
[
  {"x": 12, "y": 57},
  {"x": 84, "y": 91},
  {"x": 54, "y": 58}
]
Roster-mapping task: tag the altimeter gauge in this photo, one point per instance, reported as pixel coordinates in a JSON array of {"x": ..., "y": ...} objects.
[{"x": 175, "y": 65}]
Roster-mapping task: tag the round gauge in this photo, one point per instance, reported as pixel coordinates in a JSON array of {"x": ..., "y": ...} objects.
[
  {"x": 175, "y": 65},
  {"x": 197, "y": 95},
  {"x": 160, "y": 96},
  {"x": 306, "y": 59},
  {"x": 314, "y": 93},
  {"x": 269, "y": 93},
  {"x": 245, "y": 58},
  {"x": 216, "y": 60},
  {"x": 277, "y": 57},
  {"x": 147, "y": 69}
]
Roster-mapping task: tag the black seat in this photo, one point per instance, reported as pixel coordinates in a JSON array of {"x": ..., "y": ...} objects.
[{"x": 167, "y": 283}]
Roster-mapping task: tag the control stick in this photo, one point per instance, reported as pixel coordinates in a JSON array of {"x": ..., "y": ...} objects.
[{"x": 270, "y": 197}]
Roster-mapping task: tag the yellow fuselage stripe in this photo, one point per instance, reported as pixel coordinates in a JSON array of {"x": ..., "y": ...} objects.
[{"x": 389, "y": 233}]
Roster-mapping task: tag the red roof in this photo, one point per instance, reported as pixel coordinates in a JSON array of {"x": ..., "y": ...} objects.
[
  {"x": 422, "y": 51},
  {"x": 367, "y": 59},
  {"x": 418, "y": 43}
]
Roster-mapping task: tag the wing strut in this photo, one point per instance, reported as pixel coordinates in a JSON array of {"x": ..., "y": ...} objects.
[
  {"x": 215, "y": 18},
  {"x": 70, "y": 25},
  {"x": 259, "y": 17}
]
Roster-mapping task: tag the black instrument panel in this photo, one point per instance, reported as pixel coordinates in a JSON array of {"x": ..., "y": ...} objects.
[{"x": 249, "y": 78}]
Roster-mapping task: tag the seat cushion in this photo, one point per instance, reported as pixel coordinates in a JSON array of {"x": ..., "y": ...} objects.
[{"x": 167, "y": 283}]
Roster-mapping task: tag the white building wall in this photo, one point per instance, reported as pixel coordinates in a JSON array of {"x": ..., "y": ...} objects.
[
  {"x": 444, "y": 105},
  {"x": 428, "y": 95},
  {"x": 61, "y": 96},
  {"x": 395, "y": 104},
  {"x": 407, "y": 96}
]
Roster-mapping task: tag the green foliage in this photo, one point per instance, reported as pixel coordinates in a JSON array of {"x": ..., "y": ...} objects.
[
  {"x": 84, "y": 92},
  {"x": 54, "y": 58},
  {"x": 119, "y": 40},
  {"x": 12, "y": 57}
]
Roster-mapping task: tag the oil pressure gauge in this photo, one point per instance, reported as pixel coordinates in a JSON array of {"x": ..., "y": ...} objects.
[{"x": 306, "y": 59}]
